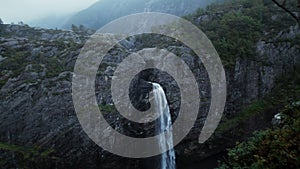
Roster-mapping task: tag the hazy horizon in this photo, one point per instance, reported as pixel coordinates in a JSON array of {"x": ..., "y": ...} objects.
[{"x": 31, "y": 10}]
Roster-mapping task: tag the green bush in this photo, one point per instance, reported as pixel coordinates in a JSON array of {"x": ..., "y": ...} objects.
[{"x": 271, "y": 148}]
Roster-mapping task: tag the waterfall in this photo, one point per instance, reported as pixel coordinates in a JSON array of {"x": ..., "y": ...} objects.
[{"x": 167, "y": 160}]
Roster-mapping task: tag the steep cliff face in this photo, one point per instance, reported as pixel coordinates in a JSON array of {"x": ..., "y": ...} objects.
[
  {"x": 264, "y": 52},
  {"x": 36, "y": 106},
  {"x": 39, "y": 127},
  {"x": 249, "y": 80},
  {"x": 256, "y": 77}
]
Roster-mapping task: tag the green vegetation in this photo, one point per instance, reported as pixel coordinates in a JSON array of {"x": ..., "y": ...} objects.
[
  {"x": 271, "y": 148},
  {"x": 54, "y": 67},
  {"x": 237, "y": 25},
  {"x": 107, "y": 108},
  {"x": 26, "y": 157},
  {"x": 286, "y": 91},
  {"x": 276, "y": 147},
  {"x": 256, "y": 108},
  {"x": 17, "y": 60}
]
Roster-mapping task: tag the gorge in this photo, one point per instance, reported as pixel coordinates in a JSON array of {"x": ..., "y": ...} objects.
[{"x": 258, "y": 45}]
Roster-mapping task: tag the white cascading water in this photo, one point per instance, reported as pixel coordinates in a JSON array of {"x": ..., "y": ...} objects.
[{"x": 165, "y": 141}]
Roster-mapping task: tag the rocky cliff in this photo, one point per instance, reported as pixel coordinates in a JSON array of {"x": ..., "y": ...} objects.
[{"x": 39, "y": 127}]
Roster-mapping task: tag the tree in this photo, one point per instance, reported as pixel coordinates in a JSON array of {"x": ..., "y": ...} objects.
[
  {"x": 283, "y": 5},
  {"x": 74, "y": 28},
  {"x": 82, "y": 28},
  {"x": 275, "y": 147},
  {"x": 1, "y": 22}
]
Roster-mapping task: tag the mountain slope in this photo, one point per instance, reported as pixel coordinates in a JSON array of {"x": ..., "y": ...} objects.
[
  {"x": 105, "y": 11},
  {"x": 51, "y": 22}
]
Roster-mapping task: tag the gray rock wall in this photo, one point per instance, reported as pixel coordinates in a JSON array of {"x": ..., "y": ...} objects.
[{"x": 37, "y": 109}]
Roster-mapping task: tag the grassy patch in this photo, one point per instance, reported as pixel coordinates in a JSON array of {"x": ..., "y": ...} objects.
[
  {"x": 107, "y": 108},
  {"x": 257, "y": 107},
  {"x": 28, "y": 153}
]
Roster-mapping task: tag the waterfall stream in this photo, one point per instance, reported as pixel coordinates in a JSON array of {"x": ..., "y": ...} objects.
[{"x": 167, "y": 160}]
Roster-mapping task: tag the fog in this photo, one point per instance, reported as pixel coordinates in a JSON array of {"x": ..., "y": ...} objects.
[{"x": 29, "y": 10}]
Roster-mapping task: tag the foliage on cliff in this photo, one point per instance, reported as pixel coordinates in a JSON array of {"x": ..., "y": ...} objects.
[
  {"x": 271, "y": 148},
  {"x": 26, "y": 157},
  {"x": 276, "y": 147},
  {"x": 235, "y": 26}
]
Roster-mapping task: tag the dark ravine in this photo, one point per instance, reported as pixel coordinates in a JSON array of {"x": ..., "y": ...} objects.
[
  {"x": 210, "y": 162},
  {"x": 37, "y": 113}
]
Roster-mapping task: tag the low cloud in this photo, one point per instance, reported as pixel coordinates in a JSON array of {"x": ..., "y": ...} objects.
[{"x": 28, "y": 10}]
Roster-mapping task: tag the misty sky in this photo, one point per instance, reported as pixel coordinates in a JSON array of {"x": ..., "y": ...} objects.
[{"x": 28, "y": 10}]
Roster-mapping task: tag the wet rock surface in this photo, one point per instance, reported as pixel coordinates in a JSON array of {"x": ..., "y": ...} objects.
[{"x": 36, "y": 106}]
